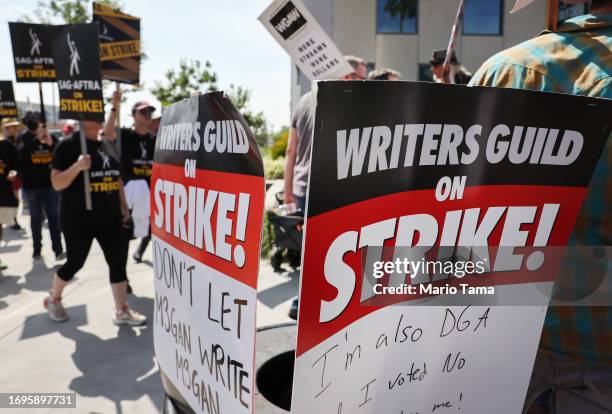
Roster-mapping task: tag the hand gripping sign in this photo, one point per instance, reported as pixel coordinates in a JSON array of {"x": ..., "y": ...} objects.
[
  {"x": 207, "y": 208},
  {"x": 414, "y": 173},
  {"x": 310, "y": 48}
]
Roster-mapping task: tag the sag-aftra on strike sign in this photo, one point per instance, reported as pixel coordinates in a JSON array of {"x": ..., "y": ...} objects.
[{"x": 440, "y": 173}]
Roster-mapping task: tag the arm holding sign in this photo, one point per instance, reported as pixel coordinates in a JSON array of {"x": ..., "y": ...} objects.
[
  {"x": 60, "y": 180},
  {"x": 109, "y": 127},
  {"x": 290, "y": 158}
]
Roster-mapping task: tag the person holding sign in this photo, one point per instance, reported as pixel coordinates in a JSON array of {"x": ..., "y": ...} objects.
[
  {"x": 572, "y": 369},
  {"x": 137, "y": 149},
  {"x": 35, "y": 149},
  {"x": 8, "y": 174},
  {"x": 80, "y": 226}
]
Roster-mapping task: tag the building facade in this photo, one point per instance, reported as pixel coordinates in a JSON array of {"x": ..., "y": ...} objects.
[{"x": 401, "y": 34}]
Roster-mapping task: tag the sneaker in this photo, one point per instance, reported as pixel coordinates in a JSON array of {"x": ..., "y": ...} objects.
[
  {"x": 57, "y": 313},
  {"x": 60, "y": 256},
  {"x": 3, "y": 266},
  {"x": 129, "y": 317},
  {"x": 137, "y": 258}
]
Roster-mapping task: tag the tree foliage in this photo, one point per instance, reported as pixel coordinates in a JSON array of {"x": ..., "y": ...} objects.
[
  {"x": 194, "y": 77},
  {"x": 191, "y": 77},
  {"x": 66, "y": 11},
  {"x": 402, "y": 8}
]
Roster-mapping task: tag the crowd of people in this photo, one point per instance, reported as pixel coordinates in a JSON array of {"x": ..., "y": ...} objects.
[{"x": 47, "y": 171}]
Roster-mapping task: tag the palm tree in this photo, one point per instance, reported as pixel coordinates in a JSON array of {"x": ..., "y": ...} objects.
[{"x": 403, "y": 8}]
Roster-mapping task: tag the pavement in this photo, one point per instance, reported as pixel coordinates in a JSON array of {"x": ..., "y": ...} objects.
[{"x": 111, "y": 369}]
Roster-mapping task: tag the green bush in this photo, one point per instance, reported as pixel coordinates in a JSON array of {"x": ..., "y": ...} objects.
[
  {"x": 279, "y": 146},
  {"x": 273, "y": 168}
]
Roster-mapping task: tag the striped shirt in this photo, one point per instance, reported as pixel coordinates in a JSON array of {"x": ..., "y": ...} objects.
[{"x": 576, "y": 59}]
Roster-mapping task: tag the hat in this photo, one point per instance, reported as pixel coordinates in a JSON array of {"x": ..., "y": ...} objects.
[
  {"x": 142, "y": 105},
  {"x": 8, "y": 122},
  {"x": 438, "y": 56},
  {"x": 68, "y": 129}
]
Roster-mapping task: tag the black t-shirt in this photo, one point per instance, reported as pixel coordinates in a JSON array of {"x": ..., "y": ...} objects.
[
  {"x": 8, "y": 162},
  {"x": 104, "y": 176},
  {"x": 35, "y": 159},
  {"x": 136, "y": 155}
]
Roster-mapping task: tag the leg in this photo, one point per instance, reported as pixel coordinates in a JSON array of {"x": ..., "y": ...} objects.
[
  {"x": 35, "y": 204},
  {"x": 144, "y": 242},
  {"x": 51, "y": 204},
  {"x": 78, "y": 243},
  {"x": 108, "y": 237}
]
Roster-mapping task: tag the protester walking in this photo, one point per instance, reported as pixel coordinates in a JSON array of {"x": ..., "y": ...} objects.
[
  {"x": 35, "y": 152},
  {"x": 10, "y": 127},
  {"x": 104, "y": 222},
  {"x": 299, "y": 146},
  {"x": 8, "y": 174},
  {"x": 137, "y": 148},
  {"x": 572, "y": 372}
]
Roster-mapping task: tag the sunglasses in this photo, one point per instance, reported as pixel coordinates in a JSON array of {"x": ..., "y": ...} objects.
[{"x": 145, "y": 112}]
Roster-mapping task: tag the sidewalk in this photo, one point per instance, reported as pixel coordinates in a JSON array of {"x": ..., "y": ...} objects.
[{"x": 111, "y": 369}]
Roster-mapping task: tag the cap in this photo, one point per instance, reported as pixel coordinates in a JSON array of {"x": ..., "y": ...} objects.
[
  {"x": 142, "y": 105},
  {"x": 438, "y": 56},
  {"x": 8, "y": 122}
]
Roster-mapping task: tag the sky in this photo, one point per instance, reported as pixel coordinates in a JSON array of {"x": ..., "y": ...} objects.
[{"x": 224, "y": 32}]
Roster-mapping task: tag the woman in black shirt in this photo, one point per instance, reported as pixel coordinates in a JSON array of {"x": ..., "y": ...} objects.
[{"x": 104, "y": 222}]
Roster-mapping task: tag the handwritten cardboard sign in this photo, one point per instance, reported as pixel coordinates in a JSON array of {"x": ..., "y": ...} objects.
[
  {"x": 310, "y": 48},
  {"x": 207, "y": 192},
  {"x": 397, "y": 164}
]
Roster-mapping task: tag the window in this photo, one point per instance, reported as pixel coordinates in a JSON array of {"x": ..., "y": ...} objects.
[
  {"x": 425, "y": 72},
  {"x": 567, "y": 11},
  {"x": 483, "y": 17},
  {"x": 396, "y": 16}
]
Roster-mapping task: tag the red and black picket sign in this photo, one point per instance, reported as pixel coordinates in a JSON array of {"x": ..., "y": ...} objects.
[
  {"x": 77, "y": 61},
  {"x": 32, "y": 52}
]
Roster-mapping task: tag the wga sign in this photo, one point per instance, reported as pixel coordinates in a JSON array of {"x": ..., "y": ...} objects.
[{"x": 287, "y": 20}]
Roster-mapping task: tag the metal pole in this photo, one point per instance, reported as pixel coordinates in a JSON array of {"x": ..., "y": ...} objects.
[
  {"x": 118, "y": 121},
  {"x": 451, "y": 42},
  {"x": 87, "y": 188},
  {"x": 42, "y": 103}
]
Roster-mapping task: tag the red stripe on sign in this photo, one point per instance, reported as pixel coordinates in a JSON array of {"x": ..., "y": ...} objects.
[
  {"x": 324, "y": 229},
  {"x": 213, "y": 217}
]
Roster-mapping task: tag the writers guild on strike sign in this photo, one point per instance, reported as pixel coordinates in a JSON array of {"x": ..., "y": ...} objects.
[
  {"x": 207, "y": 208},
  {"x": 77, "y": 63},
  {"x": 413, "y": 202}
]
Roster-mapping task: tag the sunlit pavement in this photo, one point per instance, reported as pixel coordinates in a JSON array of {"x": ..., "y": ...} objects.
[{"x": 111, "y": 369}]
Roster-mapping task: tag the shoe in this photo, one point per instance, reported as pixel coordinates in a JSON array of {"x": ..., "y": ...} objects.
[
  {"x": 293, "y": 311},
  {"x": 3, "y": 266},
  {"x": 60, "y": 256},
  {"x": 129, "y": 317},
  {"x": 129, "y": 289},
  {"x": 137, "y": 258},
  {"x": 16, "y": 226},
  {"x": 57, "y": 313}
]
